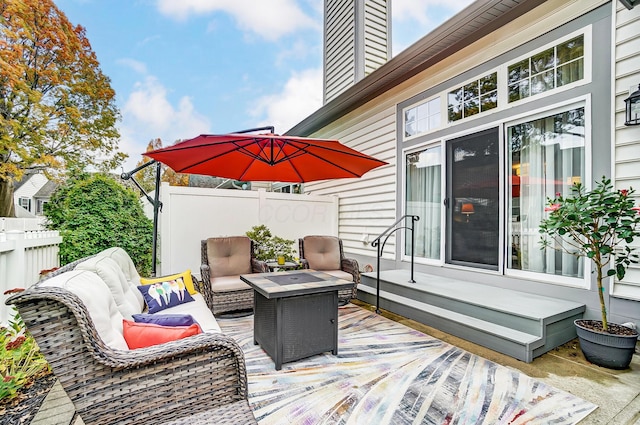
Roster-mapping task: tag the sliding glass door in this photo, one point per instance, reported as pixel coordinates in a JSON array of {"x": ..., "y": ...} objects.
[
  {"x": 547, "y": 156},
  {"x": 473, "y": 199},
  {"x": 424, "y": 199}
]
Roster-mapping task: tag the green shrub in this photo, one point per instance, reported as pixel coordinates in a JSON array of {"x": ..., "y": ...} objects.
[
  {"x": 95, "y": 212},
  {"x": 22, "y": 362}
]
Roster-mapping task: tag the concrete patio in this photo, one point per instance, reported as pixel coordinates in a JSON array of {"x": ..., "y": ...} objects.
[{"x": 617, "y": 393}]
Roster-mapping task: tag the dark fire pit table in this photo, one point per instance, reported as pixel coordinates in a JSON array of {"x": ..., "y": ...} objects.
[{"x": 296, "y": 313}]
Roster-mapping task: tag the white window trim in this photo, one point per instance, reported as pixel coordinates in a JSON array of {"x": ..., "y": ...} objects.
[
  {"x": 404, "y": 256},
  {"x": 443, "y": 109},
  {"x": 503, "y": 90},
  {"x": 582, "y": 283},
  {"x": 499, "y": 80},
  {"x": 27, "y": 200},
  {"x": 503, "y": 97},
  {"x": 582, "y": 101}
]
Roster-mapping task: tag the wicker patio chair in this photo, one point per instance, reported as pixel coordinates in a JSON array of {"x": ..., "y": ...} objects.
[
  {"x": 325, "y": 253},
  {"x": 200, "y": 379},
  {"x": 224, "y": 259}
]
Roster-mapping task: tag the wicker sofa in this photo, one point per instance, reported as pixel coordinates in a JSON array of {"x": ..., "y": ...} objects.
[{"x": 74, "y": 316}]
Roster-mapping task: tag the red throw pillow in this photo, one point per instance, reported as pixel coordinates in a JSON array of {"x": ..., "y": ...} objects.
[{"x": 140, "y": 335}]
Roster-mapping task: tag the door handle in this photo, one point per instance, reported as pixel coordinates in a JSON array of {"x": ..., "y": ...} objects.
[{"x": 446, "y": 202}]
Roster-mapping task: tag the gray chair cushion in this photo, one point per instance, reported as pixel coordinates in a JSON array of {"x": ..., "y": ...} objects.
[
  {"x": 322, "y": 252},
  {"x": 229, "y": 256}
]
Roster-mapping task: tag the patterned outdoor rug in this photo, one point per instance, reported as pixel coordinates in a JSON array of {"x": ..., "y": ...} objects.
[{"x": 387, "y": 373}]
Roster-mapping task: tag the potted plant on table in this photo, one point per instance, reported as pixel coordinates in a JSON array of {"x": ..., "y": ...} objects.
[
  {"x": 599, "y": 225},
  {"x": 270, "y": 247}
]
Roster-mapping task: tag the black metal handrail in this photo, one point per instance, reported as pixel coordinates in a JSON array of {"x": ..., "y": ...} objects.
[{"x": 386, "y": 234}]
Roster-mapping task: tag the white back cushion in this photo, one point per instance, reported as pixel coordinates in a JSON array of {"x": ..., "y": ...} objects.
[
  {"x": 96, "y": 297},
  {"x": 123, "y": 260},
  {"x": 112, "y": 275}
]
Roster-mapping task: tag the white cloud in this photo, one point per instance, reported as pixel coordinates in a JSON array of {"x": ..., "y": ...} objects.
[
  {"x": 298, "y": 50},
  {"x": 270, "y": 19},
  {"x": 148, "y": 114},
  {"x": 135, "y": 65},
  {"x": 300, "y": 96}
]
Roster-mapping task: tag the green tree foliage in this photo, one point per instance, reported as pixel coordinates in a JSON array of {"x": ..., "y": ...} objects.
[
  {"x": 57, "y": 108},
  {"x": 95, "y": 212},
  {"x": 599, "y": 225}
]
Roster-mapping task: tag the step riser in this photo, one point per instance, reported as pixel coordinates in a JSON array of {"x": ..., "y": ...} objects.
[
  {"x": 522, "y": 324},
  {"x": 476, "y": 336},
  {"x": 511, "y": 322}
]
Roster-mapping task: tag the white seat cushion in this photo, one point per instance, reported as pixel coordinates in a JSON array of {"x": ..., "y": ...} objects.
[
  {"x": 228, "y": 283},
  {"x": 199, "y": 311},
  {"x": 97, "y": 298}
]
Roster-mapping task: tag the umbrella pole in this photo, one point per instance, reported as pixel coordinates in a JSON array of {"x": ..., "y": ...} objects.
[{"x": 157, "y": 205}]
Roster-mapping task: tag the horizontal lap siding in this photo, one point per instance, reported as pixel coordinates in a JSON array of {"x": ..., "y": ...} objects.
[
  {"x": 366, "y": 204},
  {"x": 627, "y": 139},
  {"x": 340, "y": 49},
  {"x": 375, "y": 35}
]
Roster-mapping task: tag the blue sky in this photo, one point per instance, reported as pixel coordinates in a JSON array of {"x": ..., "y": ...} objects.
[{"x": 186, "y": 67}]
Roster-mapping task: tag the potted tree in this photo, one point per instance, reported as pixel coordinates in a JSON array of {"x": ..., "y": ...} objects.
[{"x": 598, "y": 225}]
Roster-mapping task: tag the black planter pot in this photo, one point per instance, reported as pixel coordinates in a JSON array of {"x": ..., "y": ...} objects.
[{"x": 604, "y": 349}]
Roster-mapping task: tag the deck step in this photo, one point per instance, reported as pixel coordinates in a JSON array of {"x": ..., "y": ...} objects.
[{"x": 515, "y": 323}]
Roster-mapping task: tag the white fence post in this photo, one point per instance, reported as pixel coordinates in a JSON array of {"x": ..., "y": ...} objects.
[{"x": 22, "y": 256}]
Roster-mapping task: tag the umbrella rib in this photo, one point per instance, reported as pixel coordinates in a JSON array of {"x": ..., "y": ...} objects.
[
  {"x": 334, "y": 164},
  {"x": 187, "y": 148}
]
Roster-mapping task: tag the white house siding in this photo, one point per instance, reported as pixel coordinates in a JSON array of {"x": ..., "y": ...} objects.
[
  {"x": 377, "y": 50},
  {"x": 368, "y": 205},
  {"x": 627, "y": 139},
  {"x": 339, "y": 64},
  {"x": 30, "y": 188},
  {"x": 356, "y": 42}
]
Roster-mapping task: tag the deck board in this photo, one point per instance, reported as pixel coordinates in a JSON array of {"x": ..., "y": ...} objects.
[{"x": 516, "y": 323}]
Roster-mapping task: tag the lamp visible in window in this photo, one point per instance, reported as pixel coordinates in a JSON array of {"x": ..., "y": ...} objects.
[
  {"x": 632, "y": 106},
  {"x": 467, "y": 209}
]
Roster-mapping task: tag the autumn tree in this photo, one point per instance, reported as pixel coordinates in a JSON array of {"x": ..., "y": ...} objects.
[
  {"x": 147, "y": 176},
  {"x": 57, "y": 108}
]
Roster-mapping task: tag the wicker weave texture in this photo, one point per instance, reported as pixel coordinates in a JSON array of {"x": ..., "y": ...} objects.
[
  {"x": 153, "y": 385},
  {"x": 348, "y": 265},
  {"x": 223, "y": 302}
]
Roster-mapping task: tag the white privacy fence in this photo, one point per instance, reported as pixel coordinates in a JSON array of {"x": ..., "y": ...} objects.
[
  {"x": 25, "y": 224},
  {"x": 22, "y": 256},
  {"x": 190, "y": 214}
]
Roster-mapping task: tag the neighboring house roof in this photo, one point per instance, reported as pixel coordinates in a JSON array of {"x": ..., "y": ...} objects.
[
  {"x": 471, "y": 24},
  {"x": 46, "y": 190},
  {"x": 25, "y": 178}
]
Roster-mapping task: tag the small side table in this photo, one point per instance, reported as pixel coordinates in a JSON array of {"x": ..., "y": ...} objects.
[{"x": 288, "y": 265}]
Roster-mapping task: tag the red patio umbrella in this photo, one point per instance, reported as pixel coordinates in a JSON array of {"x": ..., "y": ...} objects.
[
  {"x": 255, "y": 157},
  {"x": 265, "y": 157}
]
